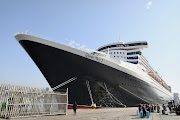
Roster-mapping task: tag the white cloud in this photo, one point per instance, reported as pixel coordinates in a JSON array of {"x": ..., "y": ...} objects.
[
  {"x": 74, "y": 44},
  {"x": 82, "y": 46},
  {"x": 148, "y": 5}
]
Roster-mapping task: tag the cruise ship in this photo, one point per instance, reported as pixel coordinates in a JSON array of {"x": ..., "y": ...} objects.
[{"x": 114, "y": 75}]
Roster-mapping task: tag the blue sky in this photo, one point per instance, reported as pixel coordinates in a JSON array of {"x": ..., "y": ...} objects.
[{"x": 91, "y": 23}]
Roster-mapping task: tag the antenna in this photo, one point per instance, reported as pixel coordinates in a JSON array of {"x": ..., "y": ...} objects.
[
  {"x": 27, "y": 31},
  {"x": 119, "y": 39}
]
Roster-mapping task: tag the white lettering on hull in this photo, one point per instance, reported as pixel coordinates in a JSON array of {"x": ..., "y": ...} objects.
[{"x": 93, "y": 57}]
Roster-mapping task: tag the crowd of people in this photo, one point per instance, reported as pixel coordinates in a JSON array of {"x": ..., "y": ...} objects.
[
  {"x": 150, "y": 108},
  {"x": 156, "y": 108}
]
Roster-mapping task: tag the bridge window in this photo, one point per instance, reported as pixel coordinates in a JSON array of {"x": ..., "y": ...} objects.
[
  {"x": 132, "y": 53},
  {"x": 122, "y": 45},
  {"x": 135, "y": 57},
  {"x": 134, "y": 62}
]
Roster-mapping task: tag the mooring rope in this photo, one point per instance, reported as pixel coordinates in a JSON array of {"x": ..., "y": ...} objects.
[
  {"x": 111, "y": 95},
  {"x": 89, "y": 90}
]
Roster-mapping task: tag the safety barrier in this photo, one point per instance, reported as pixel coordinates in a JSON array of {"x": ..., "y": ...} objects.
[{"x": 18, "y": 101}]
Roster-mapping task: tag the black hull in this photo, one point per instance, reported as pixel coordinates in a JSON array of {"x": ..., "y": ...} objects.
[{"x": 58, "y": 65}]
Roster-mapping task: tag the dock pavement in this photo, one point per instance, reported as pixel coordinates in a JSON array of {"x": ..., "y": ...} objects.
[{"x": 104, "y": 114}]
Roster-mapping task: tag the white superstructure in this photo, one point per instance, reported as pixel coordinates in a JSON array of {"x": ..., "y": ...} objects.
[{"x": 131, "y": 52}]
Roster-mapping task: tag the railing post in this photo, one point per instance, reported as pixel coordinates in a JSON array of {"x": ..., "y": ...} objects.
[{"x": 67, "y": 101}]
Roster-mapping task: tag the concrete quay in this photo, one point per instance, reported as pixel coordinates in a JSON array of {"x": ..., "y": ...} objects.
[{"x": 104, "y": 114}]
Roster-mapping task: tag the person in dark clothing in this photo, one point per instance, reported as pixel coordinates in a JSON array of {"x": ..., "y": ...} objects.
[
  {"x": 148, "y": 108},
  {"x": 158, "y": 108},
  {"x": 144, "y": 110},
  {"x": 74, "y": 107},
  {"x": 154, "y": 107},
  {"x": 177, "y": 110},
  {"x": 139, "y": 107},
  {"x": 164, "y": 109},
  {"x": 169, "y": 106}
]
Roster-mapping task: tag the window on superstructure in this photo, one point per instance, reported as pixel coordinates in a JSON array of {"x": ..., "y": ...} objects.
[
  {"x": 120, "y": 45},
  {"x": 114, "y": 52},
  {"x": 134, "y": 57},
  {"x": 132, "y": 53},
  {"x": 134, "y": 62},
  {"x": 135, "y": 44},
  {"x": 114, "y": 56},
  {"x": 117, "y": 52},
  {"x": 126, "y": 45}
]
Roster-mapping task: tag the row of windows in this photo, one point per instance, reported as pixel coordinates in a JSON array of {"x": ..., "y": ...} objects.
[
  {"x": 132, "y": 53},
  {"x": 135, "y": 57},
  {"x": 116, "y": 52},
  {"x": 122, "y": 45},
  {"x": 135, "y": 44},
  {"x": 134, "y": 62},
  {"x": 119, "y": 56},
  {"x": 110, "y": 47}
]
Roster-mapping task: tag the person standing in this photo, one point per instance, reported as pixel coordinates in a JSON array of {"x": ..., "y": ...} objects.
[
  {"x": 148, "y": 108},
  {"x": 74, "y": 107},
  {"x": 158, "y": 108},
  {"x": 154, "y": 107},
  {"x": 139, "y": 107},
  {"x": 144, "y": 110},
  {"x": 164, "y": 109},
  {"x": 169, "y": 108}
]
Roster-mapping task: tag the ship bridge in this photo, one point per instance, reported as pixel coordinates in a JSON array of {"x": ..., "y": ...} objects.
[
  {"x": 125, "y": 46},
  {"x": 127, "y": 52}
]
